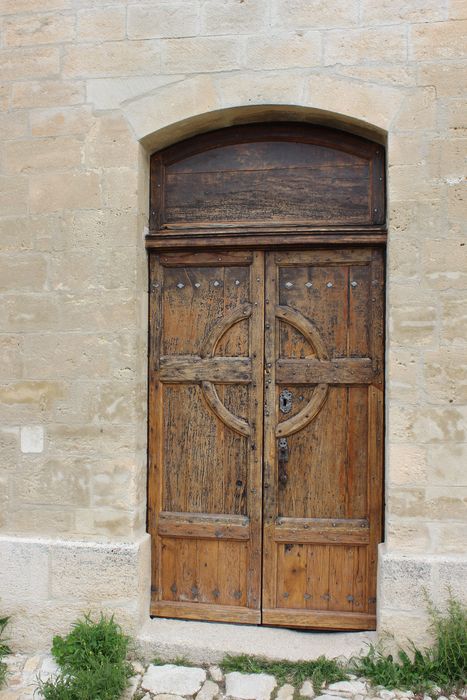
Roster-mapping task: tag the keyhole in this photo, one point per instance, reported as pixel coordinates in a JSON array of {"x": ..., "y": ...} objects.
[{"x": 283, "y": 402}]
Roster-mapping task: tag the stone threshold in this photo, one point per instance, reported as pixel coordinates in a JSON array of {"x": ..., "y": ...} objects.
[{"x": 209, "y": 642}]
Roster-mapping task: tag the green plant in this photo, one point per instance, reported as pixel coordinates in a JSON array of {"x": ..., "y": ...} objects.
[
  {"x": 318, "y": 671},
  {"x": 178, "y": 661},
  {"x": 444, "y": 664},
  {"x": 4, "y": 649},
  {"x": 92, "y": 659}
]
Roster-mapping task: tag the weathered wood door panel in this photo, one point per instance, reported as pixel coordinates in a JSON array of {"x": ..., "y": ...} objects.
[
  {"x": 323, "y": 437},
  {"x": 289, "y": 344},
  {"x": 206, "y": 435}
]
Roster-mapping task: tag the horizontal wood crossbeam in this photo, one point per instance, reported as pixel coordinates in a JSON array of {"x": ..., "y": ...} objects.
[
  {"x": 203, "y": 526},
  {"x": 222, "y": 370},
  {"x": 322, "y": 619},
  {"x": 322, "y": 531},
  {"x": 341, "y": 371},
  {"x": 205, "y": 611}
]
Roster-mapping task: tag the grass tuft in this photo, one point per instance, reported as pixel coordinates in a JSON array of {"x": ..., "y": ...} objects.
[
  {"x": 318, "y": 671},
  {"x": 92, "y": 659},
  {"x": 4, "y": 649},
  {"x": 444, "y": 664}
]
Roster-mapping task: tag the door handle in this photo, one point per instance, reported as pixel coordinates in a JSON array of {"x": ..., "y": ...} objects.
[{"x": 283, "y": 458}]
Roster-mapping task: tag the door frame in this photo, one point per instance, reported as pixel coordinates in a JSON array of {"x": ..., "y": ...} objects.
[{"x": 191, "y": 237}]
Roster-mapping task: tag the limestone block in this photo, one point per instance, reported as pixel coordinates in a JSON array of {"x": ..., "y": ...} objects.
[
  {"x": 453, "y": 116},
  {"x": 25, "y": 233},
  {"x": 399, "y": 11},
  {"x": 407, "y": 149},
  {"x": 110, "y": 93},
  {"x": 171, "y": 104},
  {"x": 451, "y": 573},
  {"x": 409, "y": 216},
  {"x": 93, "y": 270},
  {"x": 28, "y": 312},
  {"x": 38, "y": 394},
  {"x": 13, "y": 7},
  {"x": 400, "y": 425},
  {"x": 391, "y": 75},
  {"x": 101, "y": 24},
  {"x": 446, "y": 503},
  {"x": 449, "y": 159},
  {"x": 402, "y": 374},
  {"x": 14, "y": 125},
  {"x": 413, "y": 324},
  {"x": 418, "y": 111},
  {"x": 110, "y": 522},
  {"x": 406, "y": 502},
  {"x": 175, "y": 680},
  {"x": 402, "y": 580},
  {"x": 405, "y": 534},
  {"x": 112, "y": 58},
  {"x": 453, "y": 319},
  {"x": 20, "y": 64},
  {"x": 120, "y": 188},
  {"x": 51, "y": 192},
  {"x": 24, "y": 574},
  {"x": 407, "y": 464},
  {"x": 259, "y": 88},
  {"x": 286, "y": 692},
  {"x": 100, "y": 228},
  {"x": 231, "y": 17},
  {"x": 177, "y": 19},
  {"x": 303, "y": 14},
  {"x": 446, "y": 464},
  {"x": 449, "y": 79},
  {"x": 449, "y": 538},
  {"x": 61, "y": 121},
  {"x": 42, "y": 154},
  {"x": 117, "y": 483},
  {"x": 445, "y": 263},
  {"x": 25, "y": 272},
  {"x": 437, "y": 40},
  {"x": 13, "y": 195},
  {"x": 53, "y": 481},
  {"x": 456, "y": 202},
  {"x": 404, "y": 258},
  {"x": 103, "y": 311},
  {"x": 110, "y": 143},
  {"x": 53, "y": 28},
  {"x": 382, "y": 45},
  {"x": 9, "y": 441},
  {"x": 205, "y": 54},
  {"x": 249, "y": 686},
  {"x": 443, "y": 424},
  {"x": 106, "y": 439},
  {"x": 283, "y": 51},
  {"x": 94, "y": 572},
  {"x": 374, "y": 104},
  {"x": 70, "y": 355},
  {"x": 413, "y": 179},
  {"x": 10, "y": 352},
  {"x": 445, "y": 374},
  {"x": 28, "y": 518},
  {"x": 50, "y": 93}
]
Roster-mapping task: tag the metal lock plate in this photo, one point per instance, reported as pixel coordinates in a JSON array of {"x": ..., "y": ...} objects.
[{"x": 285, "y": 401}]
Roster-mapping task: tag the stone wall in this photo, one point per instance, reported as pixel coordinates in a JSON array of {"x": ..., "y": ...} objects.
[{"x": 89, "y": 88}]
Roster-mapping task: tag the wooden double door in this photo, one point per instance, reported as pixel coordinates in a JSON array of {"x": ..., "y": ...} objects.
[{"x": 266, "y": 435}]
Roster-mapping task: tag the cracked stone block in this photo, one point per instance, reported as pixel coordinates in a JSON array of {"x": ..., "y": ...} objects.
[
  {"x": 174, "y": 680},
  {"x": 349, "y": 687},
  {"x": 249, "y": 686},
  {"x": 209, "y": 691},
  {"x": 286, "y": 692},
  {"x": 216, "y": 674},
  {"x": 307, "y": 690}
]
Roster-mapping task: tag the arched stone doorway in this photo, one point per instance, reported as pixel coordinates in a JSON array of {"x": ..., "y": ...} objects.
[{"x": 266, "y": 376}]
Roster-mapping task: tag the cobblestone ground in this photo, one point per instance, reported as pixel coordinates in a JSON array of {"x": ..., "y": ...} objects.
[{"x": 169, "y": 682}]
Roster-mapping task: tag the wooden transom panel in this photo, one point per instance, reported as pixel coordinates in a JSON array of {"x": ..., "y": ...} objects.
[
  {"x": 266, "y": 430},
  {"x": 253, "y": 176}
]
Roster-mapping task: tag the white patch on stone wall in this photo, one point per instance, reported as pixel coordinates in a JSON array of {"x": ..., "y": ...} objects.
[{"x": 32, "y": 439}]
